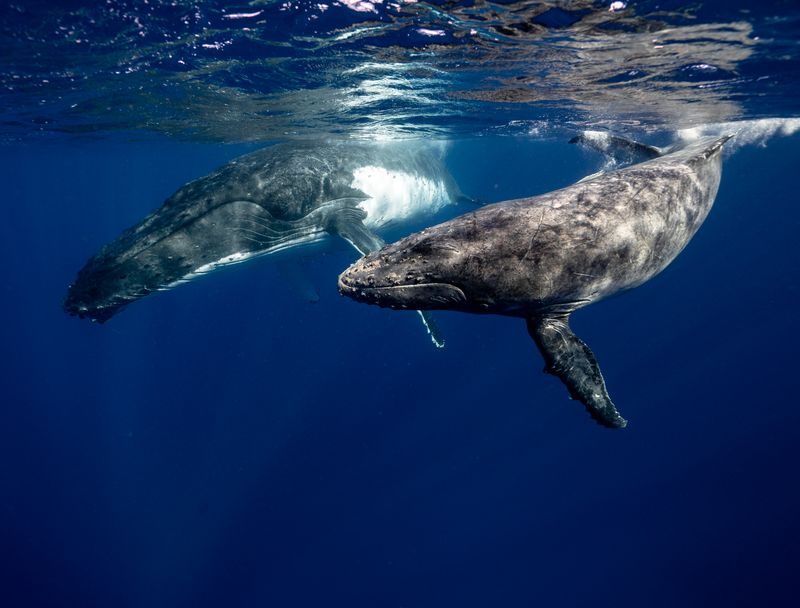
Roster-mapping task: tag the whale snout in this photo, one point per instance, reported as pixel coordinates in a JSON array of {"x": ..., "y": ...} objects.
[
  {"x": 88, "y": 306},
  {"x": 372, "y": 281}
]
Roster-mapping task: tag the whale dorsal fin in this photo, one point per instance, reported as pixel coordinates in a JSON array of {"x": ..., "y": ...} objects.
[
  {"x": 618, "y": 150},
  {"x": 568, "y": 357},
  {"x": 348, "y": 223}
]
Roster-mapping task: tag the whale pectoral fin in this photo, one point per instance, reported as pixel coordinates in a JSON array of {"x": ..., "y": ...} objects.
[
  {"x": 348, "y": 223},
  {"x": 618, "y": 150},
  {"x": 432, "y": 328},
  {"x": 567, "y": 357}
]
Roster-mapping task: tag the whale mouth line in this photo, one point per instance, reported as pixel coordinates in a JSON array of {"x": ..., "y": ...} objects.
[
  {"x": 412, "y": 295},
  {"x": 96, "y": 314}
]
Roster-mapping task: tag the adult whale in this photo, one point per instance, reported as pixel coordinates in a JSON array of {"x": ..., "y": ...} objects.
[
  {"x": 268, "y": 201},
  {"x": 542, "y": 258}
]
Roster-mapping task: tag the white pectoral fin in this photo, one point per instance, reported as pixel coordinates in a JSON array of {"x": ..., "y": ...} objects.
[{"x": 433, "y": 329}]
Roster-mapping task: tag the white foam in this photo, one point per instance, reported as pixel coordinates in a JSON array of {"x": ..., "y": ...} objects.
[
  {"x": 746, "y": 132},
  {"x": 242, "y": 15},
  {"x": 361, "y": 6},
  {"x": 398, "y": 196},
  {"x": 429, "y": 32}
]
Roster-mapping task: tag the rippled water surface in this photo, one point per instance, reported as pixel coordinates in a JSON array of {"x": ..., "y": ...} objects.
[{"x": 269, "y": 70}]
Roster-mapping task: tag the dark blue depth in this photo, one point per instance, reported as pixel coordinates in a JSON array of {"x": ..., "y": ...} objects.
[{"x": 228, "y": 444}]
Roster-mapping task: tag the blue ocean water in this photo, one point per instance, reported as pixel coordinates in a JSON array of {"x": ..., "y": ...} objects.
[{"x": 230, "y": 444}]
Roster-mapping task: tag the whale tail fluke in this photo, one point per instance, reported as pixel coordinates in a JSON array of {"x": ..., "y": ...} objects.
[
  {"x": 568, "y": 357},
  {"x": 716, "y": 146},
  {"x": 618, "y": 151}
]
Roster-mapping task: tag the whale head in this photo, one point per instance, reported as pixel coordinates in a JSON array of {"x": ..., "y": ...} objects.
[
  {"x": 100, "y": 293},
  {"x": 144, "y": 261},
  {"x": 420, "y": 272},
  {"x": 106, "y": 284},
  {"x": 170, "y": 248}
]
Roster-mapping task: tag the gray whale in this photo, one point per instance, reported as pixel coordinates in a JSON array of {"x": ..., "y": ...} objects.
[
  {"x": 271, "y": 200},
  {"x": 542, "y": 258}
]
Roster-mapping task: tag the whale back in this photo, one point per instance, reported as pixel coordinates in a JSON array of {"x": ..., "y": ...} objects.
[{"x": 566, "y": 248}]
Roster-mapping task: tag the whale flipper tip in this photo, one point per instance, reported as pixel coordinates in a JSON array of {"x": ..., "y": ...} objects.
[
  {"x": 619, "y": 151},
  {"x": 568, "y": 357}
]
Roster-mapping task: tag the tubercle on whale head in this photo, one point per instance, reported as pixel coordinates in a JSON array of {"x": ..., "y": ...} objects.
[
  {"x": 159, "y": 255},
  {"x": 114, "y": 277},
  {"x": 98, "y": 299},
  {"x": 400, "y": 278}
]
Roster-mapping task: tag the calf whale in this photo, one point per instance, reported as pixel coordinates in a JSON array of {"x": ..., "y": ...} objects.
[
  {"x": 262, "y": 203},
  {"x": 542, "y": 258}
]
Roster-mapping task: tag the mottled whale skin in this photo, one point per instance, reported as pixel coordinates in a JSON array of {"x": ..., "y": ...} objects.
[
  {"x": 270, "y": 200},
  {"x": 542, "y": 258}
]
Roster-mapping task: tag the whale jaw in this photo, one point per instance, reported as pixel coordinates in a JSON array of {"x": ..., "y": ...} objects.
[{"x": 420, "y": 296}]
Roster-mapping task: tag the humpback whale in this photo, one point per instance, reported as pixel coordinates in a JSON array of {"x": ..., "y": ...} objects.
[
  {"x": 542, "y": 258},
  {"x": 271, "y": 200}
]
